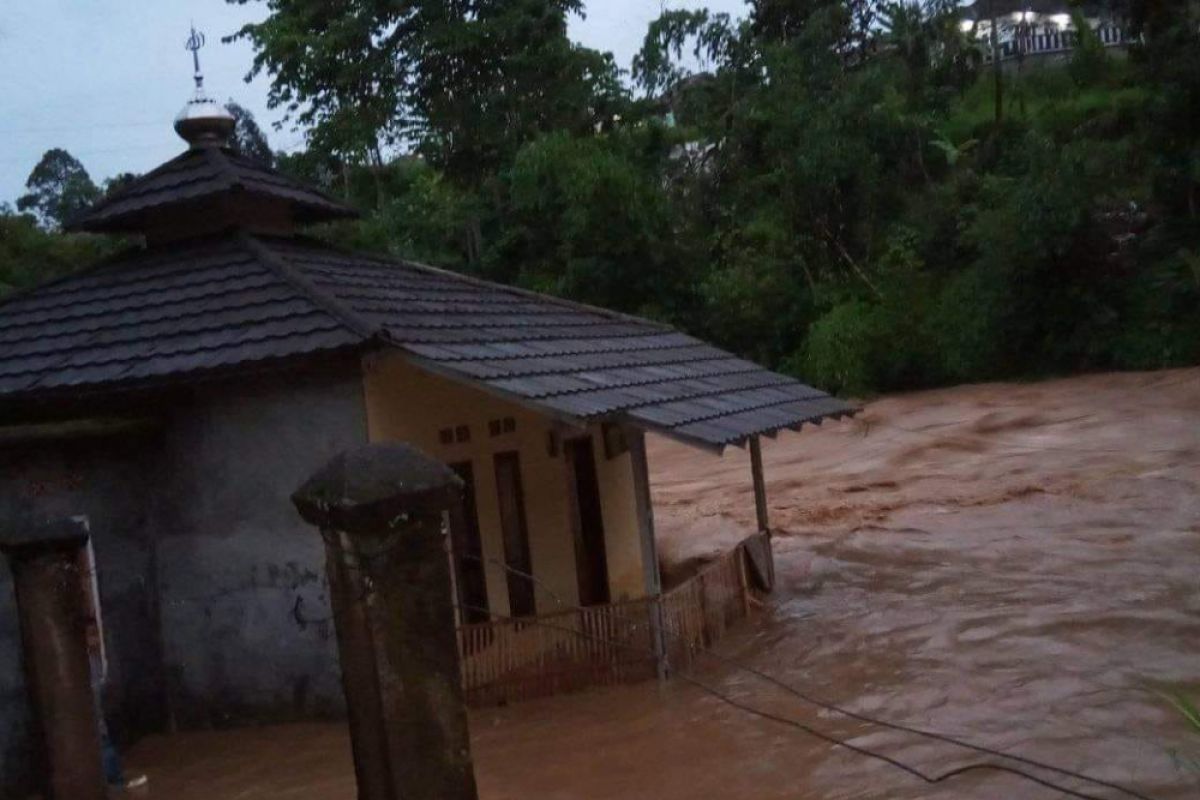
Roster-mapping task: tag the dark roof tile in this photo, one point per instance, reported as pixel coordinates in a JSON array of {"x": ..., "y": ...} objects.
[
  {"x": 165, "y": 311},
  {"x": 198, "y": 173},
  {"x": 239, "y": 299}
]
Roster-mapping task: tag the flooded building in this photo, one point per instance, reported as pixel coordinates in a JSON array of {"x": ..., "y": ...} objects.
[{"x": 176, "y": 394}]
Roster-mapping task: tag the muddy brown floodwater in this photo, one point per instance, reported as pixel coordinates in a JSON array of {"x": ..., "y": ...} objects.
[{"x": 1018, "y": 564}]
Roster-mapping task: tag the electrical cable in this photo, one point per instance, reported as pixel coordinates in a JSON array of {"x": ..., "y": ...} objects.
[
  {"x": 928, "y": 778},
  {"x": 746, "y": 708},
  {"x": 829, "y": 706}
]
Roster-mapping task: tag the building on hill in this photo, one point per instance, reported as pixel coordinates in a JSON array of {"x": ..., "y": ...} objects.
[
  {"x": 1036, "y": 32},
  {"x": 177, "y": 393}
]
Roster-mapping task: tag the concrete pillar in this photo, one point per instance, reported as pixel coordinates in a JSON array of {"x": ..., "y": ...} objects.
[
  {"x": 650, "y": 569},
  {"x": 52, "y": 606},
  {"x": 381, "y": 510}
]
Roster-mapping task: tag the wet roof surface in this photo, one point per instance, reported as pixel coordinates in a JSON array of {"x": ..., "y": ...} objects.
[{"x": 184, "y": 309}]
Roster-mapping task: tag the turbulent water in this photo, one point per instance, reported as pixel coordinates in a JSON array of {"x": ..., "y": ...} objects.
[{"x": 1017, "y": 564}]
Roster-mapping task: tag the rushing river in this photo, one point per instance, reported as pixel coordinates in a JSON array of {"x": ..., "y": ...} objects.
[{"x": 1018, "y": 565}]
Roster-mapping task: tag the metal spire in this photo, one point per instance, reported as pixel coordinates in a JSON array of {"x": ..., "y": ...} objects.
[
  {"x": 194, "y": 43},
  {"x": 202, "y": 121}
]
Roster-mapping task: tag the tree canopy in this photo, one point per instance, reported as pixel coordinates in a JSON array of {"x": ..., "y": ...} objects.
[
  {"x": 248, "y": 139},
  {"x": 824, "y": 186},
  {"x": 59, "y": 188}
]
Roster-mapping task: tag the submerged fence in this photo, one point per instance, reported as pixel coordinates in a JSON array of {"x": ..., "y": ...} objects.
[{"x": 514, "y": 659}]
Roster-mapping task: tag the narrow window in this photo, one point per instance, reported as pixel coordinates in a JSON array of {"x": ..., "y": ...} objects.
[{"x": 515, "y": 534}]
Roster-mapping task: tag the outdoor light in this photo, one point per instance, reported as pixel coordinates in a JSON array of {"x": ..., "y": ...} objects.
[
  {"x": 966, "y": 25},
  {"x": 1061, "y": 20}
]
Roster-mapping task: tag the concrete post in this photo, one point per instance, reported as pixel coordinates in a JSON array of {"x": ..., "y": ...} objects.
[
  {"x": 650, "y": 570},
  {"x": 381, "y": 509},
  {"x": 51, "y": 604}
]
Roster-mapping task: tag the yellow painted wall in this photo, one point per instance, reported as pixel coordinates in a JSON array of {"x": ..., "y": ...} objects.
[{"x": 406, "y": 403}]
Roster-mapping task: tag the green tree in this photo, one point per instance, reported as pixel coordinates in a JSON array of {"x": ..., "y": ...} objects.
[
  {"x": 468, "y": 81},
  {"x": 30, "y": 254},
  {"x": 59, "y": 188},
  {"x": 823, "y": 187},
  {"x": 248, "y": 139},
  {"x": 586, "y": 219},
  {"x": 118, "y": 182}
]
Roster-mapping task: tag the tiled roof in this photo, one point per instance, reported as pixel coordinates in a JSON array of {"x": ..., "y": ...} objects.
[
  {"x": 164, "y": 312},
  {"x": 242, "y": 299},
  {"x": 198, "y": 173}
]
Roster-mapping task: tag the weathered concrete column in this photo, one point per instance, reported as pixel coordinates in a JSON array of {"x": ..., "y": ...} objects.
[
  {"x": 51, "y": 604},
  {"x": 380, "y": 509},
  {"x": 650, "y": 569}
]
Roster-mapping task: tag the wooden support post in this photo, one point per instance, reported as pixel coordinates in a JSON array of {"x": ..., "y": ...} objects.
[
  {"x": 636, "y": 440},
  {"x": 760, "y": 503},
  {"x": 51, "y": 603},
  {"x": 382, "y": 508},
  {"x": 760, "y": 485}
]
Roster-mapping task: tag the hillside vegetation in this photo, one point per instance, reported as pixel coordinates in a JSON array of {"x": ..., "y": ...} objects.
[{"x": 824, "y": 187}]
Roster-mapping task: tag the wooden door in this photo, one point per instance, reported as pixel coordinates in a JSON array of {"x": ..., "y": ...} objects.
[
  {"x": 587, "y": 522},
  {"x": 515, "y": 534},
  {"x": 470, "y": 574}
]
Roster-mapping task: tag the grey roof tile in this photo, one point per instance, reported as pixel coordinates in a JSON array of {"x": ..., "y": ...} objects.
[{"x": 238, "y": 299}]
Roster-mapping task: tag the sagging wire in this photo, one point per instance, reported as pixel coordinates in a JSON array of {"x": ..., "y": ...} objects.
[
  {"x": 829, "y": 706},
  {"x": 928, "y": 778}
]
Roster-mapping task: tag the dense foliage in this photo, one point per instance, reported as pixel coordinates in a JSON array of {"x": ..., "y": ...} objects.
[{"x": 824, "y": 186}]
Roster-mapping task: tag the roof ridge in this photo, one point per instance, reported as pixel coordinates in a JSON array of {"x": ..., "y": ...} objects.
[
  {"x": 237, "y": 159},
  {"x": 323, "y": 300},
  {"x": 217, "y": 159},
  {"x": 428, "y": 268}
]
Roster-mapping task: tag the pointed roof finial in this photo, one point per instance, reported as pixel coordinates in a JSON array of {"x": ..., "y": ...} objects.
[
  {"x": 202, "y": 121},
  {"x": 194, "y": 43}
]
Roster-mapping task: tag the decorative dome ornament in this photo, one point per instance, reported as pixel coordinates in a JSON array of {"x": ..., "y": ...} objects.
[{"x": 203, "y": 121}]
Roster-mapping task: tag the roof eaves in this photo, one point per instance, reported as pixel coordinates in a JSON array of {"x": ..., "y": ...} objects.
[
  {"x": 83, "y": 221},
  {"x": 621, "y": 416},
  {"x": 87, "y": 391},
  {"x": 442, "y": 370}
]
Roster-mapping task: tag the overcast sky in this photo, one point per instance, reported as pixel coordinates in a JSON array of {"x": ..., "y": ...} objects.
[{"x": 105, "y": 78}]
